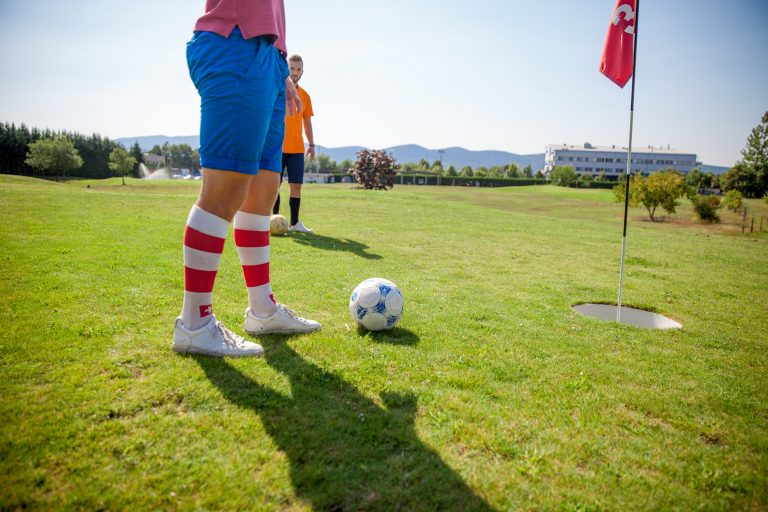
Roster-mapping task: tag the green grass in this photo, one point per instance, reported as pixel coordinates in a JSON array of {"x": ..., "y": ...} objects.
[{"x": 491, "y": 394}]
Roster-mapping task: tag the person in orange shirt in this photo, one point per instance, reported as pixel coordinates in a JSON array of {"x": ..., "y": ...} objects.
[{"x": 293, "y": 146}]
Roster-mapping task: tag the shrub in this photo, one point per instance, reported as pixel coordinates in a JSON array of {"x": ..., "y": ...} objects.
[
  {"x": 661, "y": 188},
  {"x": 732, "y": 200},
  {"x": 375, "y": 170},
  {"x": 706, "y": 208},
  {"x": 564, "y": 176}
]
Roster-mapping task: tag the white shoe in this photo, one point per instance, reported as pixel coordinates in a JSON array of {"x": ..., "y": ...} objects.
[
  {"x": 282, "y": 321},
  {"x": 300, "y": 228},
  {"x": 213, "y": 339}
]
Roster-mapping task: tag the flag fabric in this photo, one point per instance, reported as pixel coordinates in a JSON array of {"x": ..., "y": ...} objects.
[{"x": 619, "y": 50}]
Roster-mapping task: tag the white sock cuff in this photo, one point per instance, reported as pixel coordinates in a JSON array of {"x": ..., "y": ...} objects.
[
  {"x": 251, "y": 221},
  {"x": 207, "y": 222}
]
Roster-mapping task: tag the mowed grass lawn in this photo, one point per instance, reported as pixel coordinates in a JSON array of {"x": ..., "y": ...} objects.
[{"x": 491, "y": 394}]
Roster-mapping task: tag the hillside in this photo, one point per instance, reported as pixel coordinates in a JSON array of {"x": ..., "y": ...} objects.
[
  {"x": 407, "y": 153},
  {"x": 456, "y": 156}
]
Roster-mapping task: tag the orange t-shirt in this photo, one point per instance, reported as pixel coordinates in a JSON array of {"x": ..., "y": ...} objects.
[{"x": 294, "y": 138}]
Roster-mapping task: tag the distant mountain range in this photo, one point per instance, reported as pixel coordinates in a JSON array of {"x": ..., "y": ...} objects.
[{"x": 408, "y": 153}]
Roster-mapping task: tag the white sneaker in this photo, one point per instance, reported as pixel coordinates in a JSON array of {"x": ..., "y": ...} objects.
[
  {"x": 282, "y": 321},
  {"x": 300, "y": 228},
  {"x": 213, "y": 339}
]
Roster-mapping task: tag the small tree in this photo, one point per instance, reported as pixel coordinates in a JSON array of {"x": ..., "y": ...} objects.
[
  {"x": 138, "y": 155},
  {"x": 706, "y": 208},
  {"x": 750, "y": 175},
  {"x": 375, "y": 170},
  {"x": 661, "y": 188},
  {"x": 513, "y": 170},
  {"x": 121, "y": 162},
  {"x": 528, "y": 171},
  {"x": 756, "y": 155},
  {"x": 55, "y": 154},
  {"x": 325, "y": 163},
  {"x": 467, "y": 171},
  {"x": 732, "y": 200},
  {"x": 564, "y": 176}
]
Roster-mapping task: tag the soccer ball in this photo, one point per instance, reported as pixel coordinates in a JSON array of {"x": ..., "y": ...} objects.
[
  {"x": 376, "y": 304},
  {"x": 278, "y": 225}
]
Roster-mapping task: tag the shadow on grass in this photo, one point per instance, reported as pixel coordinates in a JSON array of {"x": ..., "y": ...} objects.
[
  {"x": 335, "y": 244},
  {"x": 396, "y": 336},
  {"x": 345, "y": 452}
]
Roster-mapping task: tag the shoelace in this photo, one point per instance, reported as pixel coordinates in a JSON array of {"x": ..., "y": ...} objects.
[
  {"x": 227, "y": 335},
  {"x": 291, "y": 313}
]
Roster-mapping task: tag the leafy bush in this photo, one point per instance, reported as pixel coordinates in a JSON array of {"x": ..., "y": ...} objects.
[
  {"x": 661, "y": 188},
  {"x": 732, "y": 200},
  {"x": 375, "y": 170},
  {"x": 706, "y": 208},
  {"x": 564, "y": 176}
]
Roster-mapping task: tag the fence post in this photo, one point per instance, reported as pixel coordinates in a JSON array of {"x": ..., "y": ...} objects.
[{"x": 752, "y": 228}]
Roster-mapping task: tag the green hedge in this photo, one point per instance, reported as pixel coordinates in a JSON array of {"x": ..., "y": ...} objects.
[
  {"x": 415, "y": 179},
  {"x": 595, "y": 184}
]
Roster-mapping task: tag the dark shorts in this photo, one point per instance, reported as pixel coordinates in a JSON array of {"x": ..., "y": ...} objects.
[
  {"x": 294, "y": 164},
  {"x": 241, "y": 83}
]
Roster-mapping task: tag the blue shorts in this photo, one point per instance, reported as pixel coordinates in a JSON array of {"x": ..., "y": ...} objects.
[
  {"x": 294, "y": 164},
  {"x": 241, "y": 83}
]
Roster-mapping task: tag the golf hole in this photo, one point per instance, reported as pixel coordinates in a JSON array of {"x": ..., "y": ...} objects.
[{"x": 629, "y": 316}]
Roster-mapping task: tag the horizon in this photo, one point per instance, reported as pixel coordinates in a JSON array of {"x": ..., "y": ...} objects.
[
  {"x": 431, "y": 156},
  {"x": 510, "y": 76}
]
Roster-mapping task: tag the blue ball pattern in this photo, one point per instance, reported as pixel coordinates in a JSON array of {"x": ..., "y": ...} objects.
[{"x": 360, "y": 311}]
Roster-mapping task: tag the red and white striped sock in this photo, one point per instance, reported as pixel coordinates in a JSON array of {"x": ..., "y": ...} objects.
[
  {"x": 204, "y": 240},
  {"x": 252, "y": 242}
]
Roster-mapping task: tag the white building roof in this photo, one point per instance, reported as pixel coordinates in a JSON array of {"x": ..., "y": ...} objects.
[{"x": 617, "y": 149}]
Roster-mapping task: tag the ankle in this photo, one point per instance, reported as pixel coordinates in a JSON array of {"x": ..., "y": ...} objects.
[{"x": 264, "y": 311}]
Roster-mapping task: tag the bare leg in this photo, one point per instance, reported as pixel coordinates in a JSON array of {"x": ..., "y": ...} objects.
[
  {"x": 223, "y": 192},
  {"x": 262, "y": 193},
  {"x": 207, "y": 227}
]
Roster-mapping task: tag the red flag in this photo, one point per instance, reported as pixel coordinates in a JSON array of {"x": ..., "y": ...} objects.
[{"x": 619, "y": 49}]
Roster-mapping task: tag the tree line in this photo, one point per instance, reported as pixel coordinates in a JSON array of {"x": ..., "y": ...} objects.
[
  {"x": 748, "y": 178},
  {"x": 511, "y": 170},
  {"x": 177, "y": 156},
  {"x": 94, "y": 150},
  {"x": 33, "y": 152}
]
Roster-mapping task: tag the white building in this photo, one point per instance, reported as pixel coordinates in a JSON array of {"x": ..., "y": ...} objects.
[{"x": 612, "y": 160}]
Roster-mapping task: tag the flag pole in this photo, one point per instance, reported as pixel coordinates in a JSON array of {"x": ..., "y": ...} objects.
[{"x": 629, "y": 162}]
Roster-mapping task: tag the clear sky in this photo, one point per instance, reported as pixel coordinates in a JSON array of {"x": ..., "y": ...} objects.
[{"x": 485, "y": 74}]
